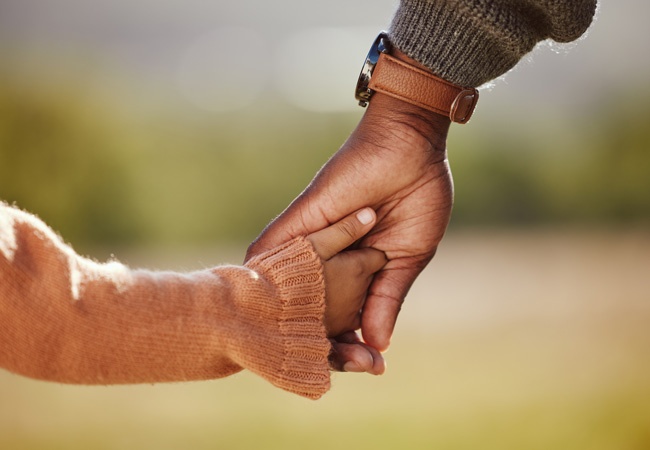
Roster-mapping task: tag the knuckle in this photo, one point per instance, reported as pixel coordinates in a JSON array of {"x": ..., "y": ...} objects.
[
  {"x": 360, "y": 270},
  {"x": 372, "y": 262},
  {"x": 348, "y": 229}
]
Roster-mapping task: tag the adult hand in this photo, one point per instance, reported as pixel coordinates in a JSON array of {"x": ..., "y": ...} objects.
[
  {"x": 395, "y": 162},
  {"x": 347, "y": 277},
  {"x": 347, "y": 273}
]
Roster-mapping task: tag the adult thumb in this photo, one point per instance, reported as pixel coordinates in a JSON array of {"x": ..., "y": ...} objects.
[{"x": 337, "y": 237}]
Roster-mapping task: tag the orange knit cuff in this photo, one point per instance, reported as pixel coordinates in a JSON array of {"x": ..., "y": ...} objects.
[{"x": 299, "y": 363}]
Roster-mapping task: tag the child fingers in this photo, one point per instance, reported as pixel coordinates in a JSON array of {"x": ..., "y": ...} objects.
[
  {"x": 337, "y": 237},
  {"x": 351, "y": 355},
  {"x": 371, "y": 259},
  {"x": 363, "y": 262}
]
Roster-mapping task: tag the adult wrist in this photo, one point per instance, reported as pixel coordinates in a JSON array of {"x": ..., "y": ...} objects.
[
  {"x": 389, "y": 117},
  {"x": 393, "y": 73}
]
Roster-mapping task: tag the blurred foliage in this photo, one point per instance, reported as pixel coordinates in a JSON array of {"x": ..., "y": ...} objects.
[
  {"x": 594, "y": 170},
  {"x": 101, "y": 174},
  {"x": 59, "y": 158}
]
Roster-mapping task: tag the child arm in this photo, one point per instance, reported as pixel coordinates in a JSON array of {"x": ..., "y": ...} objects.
[{"x": 69, "y": 319}]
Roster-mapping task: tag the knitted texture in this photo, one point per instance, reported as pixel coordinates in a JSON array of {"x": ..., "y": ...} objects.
[
  {"x": 69, "y": 319},
  {"x": 296, "y": 358},
  {"x": 470, "y": 42}
]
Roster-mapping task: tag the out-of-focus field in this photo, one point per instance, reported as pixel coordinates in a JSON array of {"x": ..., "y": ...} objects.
[
  {"x": 509, "y": 340},
  {"x": 118, "y": 137}
]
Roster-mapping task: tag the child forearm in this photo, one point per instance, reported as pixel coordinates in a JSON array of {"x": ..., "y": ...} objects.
[{"x": 68, "y": 319}]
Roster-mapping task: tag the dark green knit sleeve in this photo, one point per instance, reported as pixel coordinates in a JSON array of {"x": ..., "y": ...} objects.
[{"x": 470, "y": 42}]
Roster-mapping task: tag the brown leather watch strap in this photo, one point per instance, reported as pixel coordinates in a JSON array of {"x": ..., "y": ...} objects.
[{"x": 421, "y": 88}]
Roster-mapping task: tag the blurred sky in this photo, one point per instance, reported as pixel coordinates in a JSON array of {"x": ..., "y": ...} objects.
[{"x": 221, "y": 56}]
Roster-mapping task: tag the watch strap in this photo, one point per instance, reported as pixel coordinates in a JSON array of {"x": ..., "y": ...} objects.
[{"x": 403, "y": 81}]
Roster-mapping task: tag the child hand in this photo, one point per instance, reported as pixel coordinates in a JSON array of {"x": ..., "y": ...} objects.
[{"x": 348, "y": 274}]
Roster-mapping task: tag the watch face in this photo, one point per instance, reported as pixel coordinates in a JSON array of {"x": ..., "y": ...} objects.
[{"x": 363, "y": 93}]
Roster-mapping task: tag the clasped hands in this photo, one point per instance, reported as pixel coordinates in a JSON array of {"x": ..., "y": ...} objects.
[{"x": 394, "y": 163}]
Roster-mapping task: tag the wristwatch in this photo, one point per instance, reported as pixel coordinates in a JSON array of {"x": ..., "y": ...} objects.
[{"x": 384, "y": 73}]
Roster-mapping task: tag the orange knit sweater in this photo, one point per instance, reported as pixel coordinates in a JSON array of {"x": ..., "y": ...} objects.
[{"x": 66, "y": 318}]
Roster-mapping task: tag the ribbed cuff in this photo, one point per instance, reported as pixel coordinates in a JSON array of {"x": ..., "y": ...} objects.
[
  {"x": 455, "y": 41},
  {"x": 296, "y": 356},
  {"x": 470, "y": 42}
]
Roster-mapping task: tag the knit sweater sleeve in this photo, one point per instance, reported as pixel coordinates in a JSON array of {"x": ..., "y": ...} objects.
[
  {"x": 470, "y": 42},
  {"x": 69, "y": 319}
]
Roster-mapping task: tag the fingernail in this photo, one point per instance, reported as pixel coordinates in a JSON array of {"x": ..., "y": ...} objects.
[
  {"x": 351, "y": 366},
  {"x": 364, "y": 216}
]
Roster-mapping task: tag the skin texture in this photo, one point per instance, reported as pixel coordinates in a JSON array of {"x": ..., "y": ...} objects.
[
  {"x": 395, "y": 161},
  {"x": 348, "y": 274},
  {"x": 69, "y": 319}
]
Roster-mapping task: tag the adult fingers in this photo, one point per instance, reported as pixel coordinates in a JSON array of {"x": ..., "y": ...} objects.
[
  {"x": 337, "y": 237},
  {"x": 349, "y": 354},
  {"x": 384, "y": 302}
]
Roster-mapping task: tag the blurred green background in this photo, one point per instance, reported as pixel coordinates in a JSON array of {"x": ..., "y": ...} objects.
[{"x": 169, "y": 133}]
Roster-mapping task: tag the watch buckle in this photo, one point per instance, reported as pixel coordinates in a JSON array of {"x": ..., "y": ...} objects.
[{"x": 463, "y": 106}]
